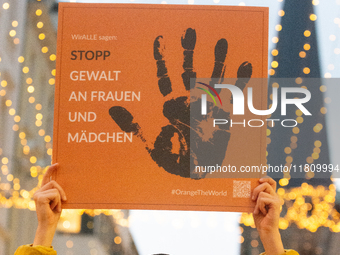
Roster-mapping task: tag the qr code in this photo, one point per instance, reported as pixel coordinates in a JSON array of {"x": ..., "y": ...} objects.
[{"x": 241, "y": 189}]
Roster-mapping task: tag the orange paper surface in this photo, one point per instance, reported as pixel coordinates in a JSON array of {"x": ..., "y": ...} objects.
[{"x": 105, "y": 58}]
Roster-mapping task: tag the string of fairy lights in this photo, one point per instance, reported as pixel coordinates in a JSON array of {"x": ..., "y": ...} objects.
[
  {"x": 21, "y": 198},
  {"x": 308, "y": 207},
  {"x": 299, "y": 119},
  {"x": 319, "y": 212},
  {"x": 11, "y": 192}
]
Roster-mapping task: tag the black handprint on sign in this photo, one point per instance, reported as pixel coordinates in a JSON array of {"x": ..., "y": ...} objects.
[{"x": 205, "y": 146}]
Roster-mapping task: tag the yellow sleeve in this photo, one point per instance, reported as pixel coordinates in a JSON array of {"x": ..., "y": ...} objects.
[
  {"x": 287, "y": 252},
  {"x": 35, "y": 250}
]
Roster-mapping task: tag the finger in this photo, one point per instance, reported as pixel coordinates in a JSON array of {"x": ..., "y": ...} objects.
[
  {"x": 50, "y": 197},
  {"x": 243, "y": 74},
  {"x": 264, "y": 203},
  {"x": 260, "y": 205},
  {"x": 54, "y": 185},
  {"x": 221, "y": 50},
  {"x": 55, "y": 201},
  {"x": 263, "y": 187},
  {"x": 188, "y": 43},
  {"x": 124, "y": 120},
  {"x": 49, "y": 173},
  {"x": 269, "y": 180},
  {"x": 59, "y": 204},
  {"x": 256, "y": 210},
  {"x": 164, "y": 82}
]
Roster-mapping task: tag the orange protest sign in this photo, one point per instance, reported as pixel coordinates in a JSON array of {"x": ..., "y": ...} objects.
[{"x": 122, "y": 104}]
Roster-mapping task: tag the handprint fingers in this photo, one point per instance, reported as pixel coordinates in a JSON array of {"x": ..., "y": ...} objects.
[
  {"x": 245, "y": 70},
  {"x": 124, "y": 120},
  {"x": 171, "y": 150},
  {"x": 164, "y": 82},
  {"x": 188, "y": 43},
  {"x": 221, "y": 50},
  {"x": 243, "y": 74}
]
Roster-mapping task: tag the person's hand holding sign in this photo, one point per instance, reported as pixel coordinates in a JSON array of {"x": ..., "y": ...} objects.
[
  {"x": 208, "y": 145},
  {"x": 267, "y": 214},
  {"x": 48, "y": 201}
]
